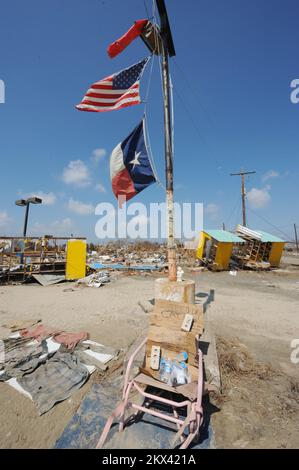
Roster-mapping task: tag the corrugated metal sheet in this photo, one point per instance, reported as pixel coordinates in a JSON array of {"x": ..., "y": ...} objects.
[
  {"x": 241, "y": 230},
  {"x": 224, "y": 236},
  {"x": 260, "y": 235}
]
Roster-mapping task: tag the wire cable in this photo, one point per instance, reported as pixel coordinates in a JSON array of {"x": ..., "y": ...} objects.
[
  {"x": 149, "y": 81},
  {"x": 234, "y": 209},
  {"x": 238, "y": 213},
  {"x": 146, "y": 8},
  {"x": 195, "y": 94},
  {"x": 149, "y": 151},
  {"x": 269, "y": 223}
]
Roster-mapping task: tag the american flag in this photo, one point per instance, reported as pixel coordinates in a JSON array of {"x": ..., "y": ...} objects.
[{"x": 114, "y": 92}]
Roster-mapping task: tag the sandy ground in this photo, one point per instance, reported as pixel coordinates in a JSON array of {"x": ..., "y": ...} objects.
[{"x": 259, "y": 310}]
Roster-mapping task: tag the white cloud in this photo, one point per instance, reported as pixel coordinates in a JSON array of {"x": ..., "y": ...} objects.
[
  {"x": 270, "y": 175},
  {"x": 98, "y": 154},
  {"x": 100, "y": 188},
  {"x": 76, "y": 173},
  {"x": 259, "y": 198},
  {"x": 4, "y": 219},
  {"x": 79, "y": 207},
  {"x": 212, "y": 210},
  {"x": 47, "y": 198},
  {"x": 56, "y": 228}
]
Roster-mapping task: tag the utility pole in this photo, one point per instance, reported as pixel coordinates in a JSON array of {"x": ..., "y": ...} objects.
[
  {"x": 166, "y": 52},
  {"x": 243, "y": 192},
  {"x": 296, "y": 238}
]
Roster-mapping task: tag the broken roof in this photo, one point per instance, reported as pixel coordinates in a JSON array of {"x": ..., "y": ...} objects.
[
  {"x": 224, "y": 236},
  {"x": 260, "y": 235},
  {"x": 267, "y": 237}
]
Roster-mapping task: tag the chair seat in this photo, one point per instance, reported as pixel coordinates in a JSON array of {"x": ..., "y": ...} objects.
[{"x": 188, "y": 390}]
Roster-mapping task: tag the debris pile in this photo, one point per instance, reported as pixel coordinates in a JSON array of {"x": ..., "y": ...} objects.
[
  {"x": 21, "y": 258},
  {"x": 48, "y": 364},
  {"x": 220, "y": 250},
  {"x": 96, "y": 279},
  {"x": 142, "y": 257},
  {"x": 260, "y": 251}
]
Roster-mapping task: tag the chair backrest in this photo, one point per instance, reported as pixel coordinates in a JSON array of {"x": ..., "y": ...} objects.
[{"x": 166, "y": 331}]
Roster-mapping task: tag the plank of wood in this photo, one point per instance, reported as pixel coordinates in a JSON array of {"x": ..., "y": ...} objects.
[{"x": 165, "y": 331}]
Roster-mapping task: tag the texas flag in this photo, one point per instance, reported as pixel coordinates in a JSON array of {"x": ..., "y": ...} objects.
[{"x": 130, "y": 167}]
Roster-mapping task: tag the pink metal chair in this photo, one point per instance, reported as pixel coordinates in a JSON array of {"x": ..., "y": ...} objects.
[{"x": 192, "y": 402}]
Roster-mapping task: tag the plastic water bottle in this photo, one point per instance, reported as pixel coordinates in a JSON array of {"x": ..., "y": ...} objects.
[
  {"x": 162, "y": 368},
  {"x": 180, "y": 375},
  {"x": 166, "y": 371},
  {"x": 182, "y": 357}
]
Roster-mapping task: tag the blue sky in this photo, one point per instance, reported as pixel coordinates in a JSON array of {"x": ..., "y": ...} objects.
[{"x": 232, "y": 73}]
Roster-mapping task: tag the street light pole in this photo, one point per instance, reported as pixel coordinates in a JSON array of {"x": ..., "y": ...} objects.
[
  {"x": 26, "y": 219},
  {"x": 27, "y": 202}
]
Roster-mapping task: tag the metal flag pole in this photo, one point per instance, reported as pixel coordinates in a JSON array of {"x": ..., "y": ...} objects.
[{"x": 168, "y": 51}]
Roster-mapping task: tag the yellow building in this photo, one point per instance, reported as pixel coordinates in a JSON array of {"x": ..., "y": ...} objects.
[
  {"x": 215, "y": 248},
  {"x": 261, "y": 246},
  {"x": 75, "y": 259}
]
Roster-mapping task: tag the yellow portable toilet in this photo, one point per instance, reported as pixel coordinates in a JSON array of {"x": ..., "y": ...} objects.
[
  {"x": 215, "y": 248},
  {"x": 75, "y": 259}
]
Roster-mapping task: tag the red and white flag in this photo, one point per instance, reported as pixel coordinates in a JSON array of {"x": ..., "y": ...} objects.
[
  {"x": 116, "y": 91},
  {"x": 120, "y": 44}
]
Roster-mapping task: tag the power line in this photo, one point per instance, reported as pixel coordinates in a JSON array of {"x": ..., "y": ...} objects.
[
  {"x": 234, "y": 208},
  {"x": 269, "y": 223},
  {"x": 196, "y": 128},
  {"x": 195, "y": 94}
]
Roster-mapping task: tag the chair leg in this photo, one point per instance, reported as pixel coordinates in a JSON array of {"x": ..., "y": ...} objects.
[
  {"x": 194, "y": 428},
  {"x": 176, "y": 415},
  {"x": 188, "y": 440},
  {"x": 119, "y": 410}
]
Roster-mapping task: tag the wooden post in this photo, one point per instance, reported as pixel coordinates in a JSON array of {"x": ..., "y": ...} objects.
[
  {"x": 243, "y": 201},
  {"x": 168, "y": 168},
  {"x": 168, "y": 50},
  {"x": 243, "y": 192}
]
